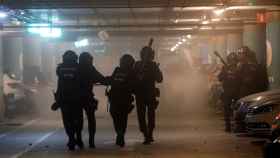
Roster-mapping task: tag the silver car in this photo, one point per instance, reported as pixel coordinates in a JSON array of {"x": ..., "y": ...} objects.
[{"x": 240, "y": 107}]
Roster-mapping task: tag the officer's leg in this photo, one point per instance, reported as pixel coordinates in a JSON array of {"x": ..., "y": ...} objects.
[
  {"x": 151, "y": 121},
  {"x": 78, "y": 113},
  {"x": 116, "y": 122},
  {"x": 123, "y": 125},
  {"x": 141, "y": 113},
  {"x": 67, "y": 122},
  {"x": 90, "y": 112},
  {"x": 227, "y": 114}
]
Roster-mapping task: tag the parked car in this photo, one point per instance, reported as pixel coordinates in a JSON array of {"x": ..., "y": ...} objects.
[
  {"x": 240, "y": 107},
  {"x": 260, "y": 115}
]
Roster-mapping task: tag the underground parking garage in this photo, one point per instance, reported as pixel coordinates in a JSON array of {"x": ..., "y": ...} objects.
[{"x": 190, "y": 121}]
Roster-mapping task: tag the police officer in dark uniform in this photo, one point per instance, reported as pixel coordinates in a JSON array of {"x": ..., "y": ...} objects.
[
  {"x": 230, "y": 80},
  {"x": 147, "y": 75},
  {"x": 248, "y": 69},
  {"x": 120, "y": 96},
  {"x": 89, "y": 76},
  {"x": 67, "y": 97}
]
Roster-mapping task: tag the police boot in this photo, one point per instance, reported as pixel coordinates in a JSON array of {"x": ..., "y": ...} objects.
[
  {"x": 118, "y": 139},
  {"x": 121, "y": 141},
  {"x": 147, "y": 139},
  {"x": 91, "y": 142},
  {"x": 71, "y": 144},
  {"x": 79, "y": 141},
  {"x": 150, "y": 136}
]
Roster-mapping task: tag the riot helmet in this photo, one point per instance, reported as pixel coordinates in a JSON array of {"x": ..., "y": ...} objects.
[
  {"x": 127, "y": 61},
  {"x": 85, "y": 58},
  {"x": 232, "y": 58},
  {"x": 70, "y": 57},
  {"x": 147, "y": 54}
]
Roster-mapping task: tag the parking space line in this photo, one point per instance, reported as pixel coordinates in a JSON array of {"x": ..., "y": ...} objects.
[
  {"x": 34, "y": 144},
  {"x": 17, "y": 129}
]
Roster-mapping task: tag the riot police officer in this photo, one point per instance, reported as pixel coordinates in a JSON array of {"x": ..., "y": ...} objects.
[
  {"x": 120, "y": 96},
  {"x": 88, "y": 77},
  {"x": 147, "y": 75},
  {"x": 230, "y": 80},
  {"x": 248, "y": 69},
  {"x": 67, "y": 97}
]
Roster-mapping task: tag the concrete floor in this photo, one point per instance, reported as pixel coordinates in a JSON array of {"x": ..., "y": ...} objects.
[
  {"x": 195, "y": 133},
  {"x": 184, "y": 137}
]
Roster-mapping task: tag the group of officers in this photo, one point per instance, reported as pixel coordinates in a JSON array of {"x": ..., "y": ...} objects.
[
  {"x": 240, "y": 76},
  {"x": 130, "y": 80}
]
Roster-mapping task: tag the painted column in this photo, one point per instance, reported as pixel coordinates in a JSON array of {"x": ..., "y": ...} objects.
[
  {"x": 254, "y": 36},
  {"x": 48, "y": 61},
  {"x": 2, "y": 105},
  {"x": 221, "y": 45},
  {"x": 32, "y": 51},
  {"x": 273, "y": 38},
  {"x": 12, "y": 50},
  {"x": 234, "y": 41}
]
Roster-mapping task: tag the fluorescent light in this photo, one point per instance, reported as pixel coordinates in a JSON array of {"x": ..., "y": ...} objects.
[
  {"x": 45, "y": 31},
  {"x": 3, "y": 14},
  {"x": 219, "y": 12},
  {"x": 50, "y": 32},
  {"x": 81, "y": 43},
  {"x": 205, "y": 22}
]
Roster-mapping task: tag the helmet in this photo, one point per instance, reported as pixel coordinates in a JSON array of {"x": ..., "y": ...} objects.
[
  {"x": 85, "y": 58},
  {"x": 127, "y": 61},
  {"x": 70, "y": 57},
  {"x": 232, "y": 57},
  {"x": 147, "y": 53}
]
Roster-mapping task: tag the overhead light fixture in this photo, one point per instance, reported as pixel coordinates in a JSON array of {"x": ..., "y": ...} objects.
[
  {"x": 219, "y": 12},
  {"x": 205, "y": 22},
  {"x": 183, "y": 40},
  {"x": 81, "y": 43},
  {"x": 189, "y": 36},
  {"x": 3, "y": 14},
  {"x": 44, "y": 30},
  {"x": 180, "y": 42}
]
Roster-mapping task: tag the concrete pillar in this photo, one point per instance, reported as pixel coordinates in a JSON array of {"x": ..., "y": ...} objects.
[
  {"x": 48, "y": 61},
  {"x": 221, "y": 45},
  {"x": 32, "y": 51},
  {"x": 12, "y": 49},
  {"x": 2, "y": 105},
  {"x": 234, "y": 41},
  {"x": 273, "y": 37},
  {"x": 254, "y": 36}
]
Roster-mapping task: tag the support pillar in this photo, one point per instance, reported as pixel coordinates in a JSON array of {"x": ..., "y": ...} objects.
[
  {"x": 273, "y": 37},
  {"x": 2, "y": 105},
  {"x": 12, "y": 49},
  {"x": 254, "y": 36},
  {"x": 234, "y": 41},
  {"x": 221, "y": 45},
  {"x": 31, "y": 58},
  {"x": 48, "y": 61}
]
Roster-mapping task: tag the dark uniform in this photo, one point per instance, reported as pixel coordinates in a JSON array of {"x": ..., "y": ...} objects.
[
  {"x": 89, "y": 76},
  {"x": 67, "y": 97},
  {"x": 254, "y": 78},
  {"x": 230, "y": 80},
  {"x": 120, "y": 96},
  {"x": 147, "y": 74}
]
